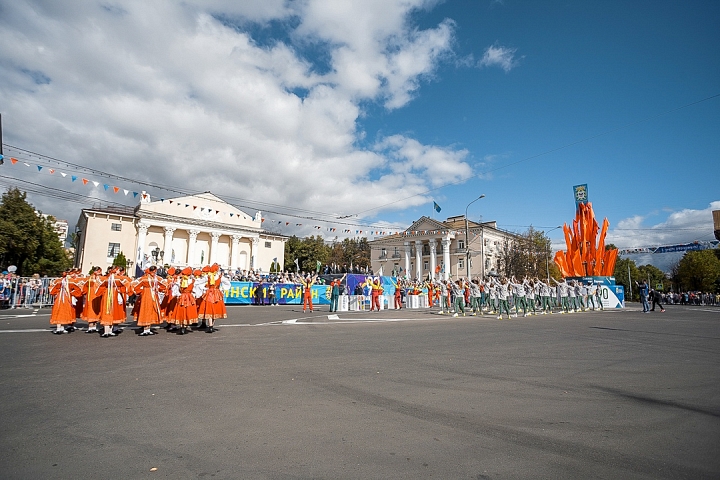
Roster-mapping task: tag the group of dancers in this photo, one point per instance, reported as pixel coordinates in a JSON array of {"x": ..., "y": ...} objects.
[
  {"x": 184, "y": 298},
  {"x": 498, "y": 297}
]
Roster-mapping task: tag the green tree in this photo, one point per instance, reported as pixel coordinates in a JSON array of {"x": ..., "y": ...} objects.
[
  {"x": 653, "y": 275},
  {"x": 27, "y": 239},
  {"x": 527, "y": 255},
  {"x": 699, "y": 271},
  {"x": 120, "y": 260},
  {"x": 622, "y": 267}
]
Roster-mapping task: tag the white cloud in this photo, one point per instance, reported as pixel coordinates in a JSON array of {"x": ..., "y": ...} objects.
[
  {"x": 681, "y": 227},
  {"x": 497, "y": 55},
  {"x": 181, "y": 93}
]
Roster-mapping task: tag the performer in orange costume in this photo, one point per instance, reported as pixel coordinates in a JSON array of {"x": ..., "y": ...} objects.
[
  {"x": 185, "y": 312},
  {"x": 398, "y": 298},
  {"x": 307, "y": 284},
  {"x": 63, "y": 310},
  {"x": 212, "y": 306},
  {"x": 110, "y": 298},
  {"x": 93, "y": 290},
  {"x": 148, "y": 288},
  {"x": 168, "y": 302},
  {"x": 375, "y": 295}
]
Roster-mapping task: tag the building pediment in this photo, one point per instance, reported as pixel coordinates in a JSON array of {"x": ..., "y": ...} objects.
[
  {"x": 425, "y": 223},
  {"x": 202, "y": 208}
]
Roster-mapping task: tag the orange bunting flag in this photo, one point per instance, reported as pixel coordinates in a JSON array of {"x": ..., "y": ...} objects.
[
  {"x": 85, "y": 181},
  {"x": 116, "y": 189}
]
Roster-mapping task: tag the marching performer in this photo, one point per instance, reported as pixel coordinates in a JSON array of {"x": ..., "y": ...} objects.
[
  {"x": 63, "y": 310},
  {"x": 185, "y": 312},
  {"x": 149, "y": 289},
  {"x": 93, "y": 290},
  {"x": 212, "y": 305},
  {"x": 307, "y": 284}
]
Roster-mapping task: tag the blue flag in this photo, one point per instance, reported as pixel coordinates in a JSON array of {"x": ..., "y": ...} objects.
[{"x": 436, "y": 207}]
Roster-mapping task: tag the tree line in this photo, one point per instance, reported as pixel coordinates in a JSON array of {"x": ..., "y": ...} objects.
[{"x": 28, "y": 239}]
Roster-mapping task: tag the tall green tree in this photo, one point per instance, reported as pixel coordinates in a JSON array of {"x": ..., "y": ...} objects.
[
  {"x": 528, "y": 255},
  {"x": 20, "y": 230},
  {"x": 623, "y": 268},
  {"x": 27, "y": 239},
  {"x": 653, "y": 275},
  {"x": 120, "y": 260},
  {"x": 699, "y": 271}
]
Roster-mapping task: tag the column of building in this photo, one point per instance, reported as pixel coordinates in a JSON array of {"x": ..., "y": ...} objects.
[
  {"x": 446, "y": 257},
  {"x": 215, "y": 239},
  {"x": 433, "y": 258},
  {"x": 406, "y": 246},
  {"x": 418, "y": 259},
  {"x": 142, "y": 238}
]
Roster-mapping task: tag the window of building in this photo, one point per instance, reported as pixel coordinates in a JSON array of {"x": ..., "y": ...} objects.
[
  {"x": 268, "y": 244},
  {"x": 113, "y": 250},
  {"x": 461, "y": 243},
  {"x": 116, "y": 227},
  {"x": 461, "y": 263},
  {"x": 425, "y": 265}
]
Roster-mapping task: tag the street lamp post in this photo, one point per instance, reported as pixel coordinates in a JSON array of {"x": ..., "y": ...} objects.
[
  {"x": 547, "y": 257},
  {"x": 467, "y": 245}
]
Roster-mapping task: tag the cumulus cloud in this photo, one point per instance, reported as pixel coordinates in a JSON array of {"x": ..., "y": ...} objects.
[
  {"x": 681, "y": 227},
  {"x": 499, "y": 56},
  {"x": 192, "y": 94}
]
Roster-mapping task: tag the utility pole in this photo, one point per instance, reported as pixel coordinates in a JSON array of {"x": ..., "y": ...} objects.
[{"x": 2, "y": 156}]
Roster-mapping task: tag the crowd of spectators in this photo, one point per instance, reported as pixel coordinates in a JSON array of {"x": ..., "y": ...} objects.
[{"x": 691, "y": 298}]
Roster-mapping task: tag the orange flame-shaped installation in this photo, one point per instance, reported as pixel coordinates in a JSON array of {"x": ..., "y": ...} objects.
[{"x": 584, "y": 257}]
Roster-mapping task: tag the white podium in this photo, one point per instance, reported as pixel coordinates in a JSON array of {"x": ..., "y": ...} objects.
[{"x": 343, "y": 303}]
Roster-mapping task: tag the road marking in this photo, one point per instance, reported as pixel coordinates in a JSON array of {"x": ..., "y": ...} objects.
[{"x": 27, "y": 330}]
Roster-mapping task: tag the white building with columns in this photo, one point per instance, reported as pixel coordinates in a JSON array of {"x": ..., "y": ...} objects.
[
  {"x": 435, "y": 249},
  {"x": 196, "y": 230}
]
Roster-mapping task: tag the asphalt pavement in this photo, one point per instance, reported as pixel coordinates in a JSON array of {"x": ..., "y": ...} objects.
[{"x": 279, "y": 394}]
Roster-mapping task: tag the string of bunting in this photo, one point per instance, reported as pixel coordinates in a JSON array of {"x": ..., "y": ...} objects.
[{"x": 115, "y": 189}]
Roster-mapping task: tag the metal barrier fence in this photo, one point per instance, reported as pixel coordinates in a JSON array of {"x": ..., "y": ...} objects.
[{"x": 26, "y": 292}]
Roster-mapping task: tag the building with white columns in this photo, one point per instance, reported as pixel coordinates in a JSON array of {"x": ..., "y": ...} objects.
[
  {"x": 428, "y": 244},
  {"x": 196, "y": 230}
]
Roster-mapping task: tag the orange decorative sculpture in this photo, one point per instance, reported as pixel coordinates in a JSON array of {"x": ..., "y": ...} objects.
[{"x": 584, "y": 257}]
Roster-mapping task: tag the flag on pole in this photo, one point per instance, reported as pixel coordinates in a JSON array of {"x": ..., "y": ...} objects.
[
  {"x": 436, "y": 207},
  {"x": 317, "y": 266}
]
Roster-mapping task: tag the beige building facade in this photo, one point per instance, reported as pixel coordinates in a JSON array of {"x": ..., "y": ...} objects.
[
  {"x": 194, "y": 231},
  {"x": 439, "y": 250}
]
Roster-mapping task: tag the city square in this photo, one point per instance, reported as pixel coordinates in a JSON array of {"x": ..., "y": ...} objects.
[{"x": 276, "y": 393}]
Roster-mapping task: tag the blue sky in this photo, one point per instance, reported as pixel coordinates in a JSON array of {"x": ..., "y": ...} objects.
[{"x": 375, "y": 109}]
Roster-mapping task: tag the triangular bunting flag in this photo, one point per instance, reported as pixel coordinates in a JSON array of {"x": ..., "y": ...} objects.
[
  {"x": 135, "y": 194},
  {"x": 105, "y": 186},
  {"x": 63, "y": 174},
  {"x": 85, "y": 181},
  {"x": 73, "y": 177},
  {"x": 126, "y": 191},
  {"x": 39, "y": 167},
  {"x": 13, "y": 160},
  {"x": 96, "y": 183},
  {"x": 52, "y": 171},
  {"x": 116, "y": 189},
  {"x": 26, "y": 164}
]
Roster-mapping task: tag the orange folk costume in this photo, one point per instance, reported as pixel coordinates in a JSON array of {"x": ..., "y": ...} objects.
[
  {"x": 185, "y": 311},
  {"x": 212, "y": 305},
  {"x": 93, "y": 290},
  {"x": 63, "y": 310},
  {"x": 148, "y": 289}
]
